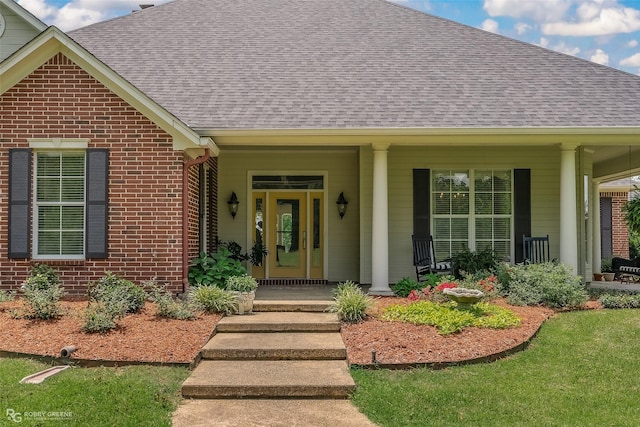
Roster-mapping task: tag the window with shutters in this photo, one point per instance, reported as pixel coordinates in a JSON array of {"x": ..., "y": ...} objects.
[
  {"x": 472, "y": 208},
  {"x": 59, "y": 205}
]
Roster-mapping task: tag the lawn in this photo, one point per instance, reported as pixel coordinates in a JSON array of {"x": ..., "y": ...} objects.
[
  {"x": 127, "y": 396},
  {"x": 583, "y": 369}
]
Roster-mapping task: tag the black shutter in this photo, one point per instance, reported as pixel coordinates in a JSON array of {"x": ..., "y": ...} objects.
[
  {"x": 421, "y": 202},
  {"x": 19, "y": 202},
  {"x": 606, "y": 227},
  {"x": 97, "y": 203},
  {"x": 521, "y": 209}
]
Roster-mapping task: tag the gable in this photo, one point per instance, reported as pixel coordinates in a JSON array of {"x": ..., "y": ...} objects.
[{"x": 17, "y": 27}]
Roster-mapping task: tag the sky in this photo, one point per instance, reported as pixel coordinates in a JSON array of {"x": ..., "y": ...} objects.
[{"x": 602, "y": 31}]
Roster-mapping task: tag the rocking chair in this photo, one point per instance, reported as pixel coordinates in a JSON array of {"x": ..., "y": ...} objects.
[{"x": 424, "y": 258}]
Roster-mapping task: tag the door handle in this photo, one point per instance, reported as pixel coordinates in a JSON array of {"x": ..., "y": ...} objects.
[{"x": 304, "y": 240}]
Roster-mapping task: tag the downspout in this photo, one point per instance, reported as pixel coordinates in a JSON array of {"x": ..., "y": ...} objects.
[{"x": 185, "y": 215}]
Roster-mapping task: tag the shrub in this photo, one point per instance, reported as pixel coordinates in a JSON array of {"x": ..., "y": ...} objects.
[
  {"x": 212, "y": 299},
  {"x": 448, "y": 319},
  {"x": 350, "y": 303},
  {"x": 167, "y": 306},
  {"x": 469, "y": 262},
  {"x": 404, "y": 287},
  {"x": 551, "y": 284},
  {"x": 119, "y": 295},
  {"x": 42, "y": 292},
  {"x": 244, "y": 283},
  {"x": 99, "y": 318},
  {"x": 6, "y": 296},
  {"x": 214, "y": 269},
  {"x": 620, "y": 300}
]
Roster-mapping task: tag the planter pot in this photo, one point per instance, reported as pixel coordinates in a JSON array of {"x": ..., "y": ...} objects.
[
  {"x": 245, "y": 302},
  {"x": 597, "y": 277},
  {"x": 608, "y": 276}
]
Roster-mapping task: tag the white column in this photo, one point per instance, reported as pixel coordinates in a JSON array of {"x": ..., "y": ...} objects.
[
  {"x": 568, "y": 209},
  {"x": 596, "y": 253},
  {"x": 380, "y": 222}
]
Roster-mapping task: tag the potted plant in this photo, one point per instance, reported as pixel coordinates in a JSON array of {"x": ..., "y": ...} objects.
[
  {"x": 244, "y": 287},
  {"x": 607, "y": 269}
]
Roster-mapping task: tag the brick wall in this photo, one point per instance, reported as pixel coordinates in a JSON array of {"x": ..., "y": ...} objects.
[
  {"x": 60, "y": 100},
  {"x": 620, "y": 232}
]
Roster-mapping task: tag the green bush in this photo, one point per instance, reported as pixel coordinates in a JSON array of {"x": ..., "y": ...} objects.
[
  {"x": 244, "y": 283},
  {"x": 620, "y": 301},
  {"x": 404, "y": 287},
  {"x": 448, "y": 319},
  {"x": 6, "y": 296},
  {"x": 168, "y": 307},
  {"x": 350, "y": 303},
  {"x": 119, "y": 295},
  {"x": 42, "y": 293},
  {"x": 212, "y": 299},
  {"x": 469, "y": 262},
  {"x": 214, "y": 269},
  {"x": 550, "y": 284},
  {"x": 99, "y": 318}
]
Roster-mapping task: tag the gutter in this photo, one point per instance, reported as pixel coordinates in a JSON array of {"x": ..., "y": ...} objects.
[{"x": 185, "y": 215}]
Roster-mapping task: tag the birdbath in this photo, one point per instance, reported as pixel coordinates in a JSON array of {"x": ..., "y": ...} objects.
[{"x": 463, "y": 296}]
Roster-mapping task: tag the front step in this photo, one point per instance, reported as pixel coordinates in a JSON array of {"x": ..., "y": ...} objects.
[
  {"x": 289, "y": 305},
  {"x": 280, "y": 322},
  {"x": 275, "y": 346},
  {"x": 217, "y": 379}
]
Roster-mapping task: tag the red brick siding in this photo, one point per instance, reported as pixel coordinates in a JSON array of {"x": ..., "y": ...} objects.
[
  {"x": 620, "y": 232},
  {"x": 60, "y": 100}
]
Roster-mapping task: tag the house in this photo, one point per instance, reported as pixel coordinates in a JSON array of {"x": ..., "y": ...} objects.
[{"x": 423, "y": 125}]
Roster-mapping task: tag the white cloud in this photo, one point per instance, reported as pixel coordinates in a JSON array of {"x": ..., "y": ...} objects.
[
  {"x": 544, "y": 42},
  {"x": 537, "y": 10},
  {"x": 522, "y": 28},
  {"x": 490, "y": 25},
  {"x": 594, "y": 22},
  {"x": 632, "y": 61},
  {"x": 632, "y": 43},
  {"x": 600, "y": 57},
  {"x": 562, "y": 47}
]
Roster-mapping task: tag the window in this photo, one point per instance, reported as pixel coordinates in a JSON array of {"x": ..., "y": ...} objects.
[
  {"x": 472, "y": 208},
  {"x": 59, "y": 209}
]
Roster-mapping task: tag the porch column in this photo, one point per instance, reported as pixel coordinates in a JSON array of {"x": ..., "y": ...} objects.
[
  {"x": 596, "y": 253},
  {"x": 568, "y": 209},
  {"x": 380, "y": 224}
]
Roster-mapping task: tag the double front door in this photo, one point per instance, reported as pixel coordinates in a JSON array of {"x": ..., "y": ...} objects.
[{"x": 290, "y": 225}]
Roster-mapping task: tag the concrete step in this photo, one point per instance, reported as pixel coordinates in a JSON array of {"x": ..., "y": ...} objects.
[
  {"x": 280, "y": 322},
  {"x": 290, "y": 305},
  {"x": 218, "y": 379},
  {"x": 275, "y": 346}
]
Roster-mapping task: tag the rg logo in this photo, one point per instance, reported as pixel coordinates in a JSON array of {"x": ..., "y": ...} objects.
[{"x": 14, "y": 416}]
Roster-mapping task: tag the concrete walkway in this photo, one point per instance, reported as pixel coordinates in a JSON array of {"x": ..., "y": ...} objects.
[{"x": 284, "y": 365}]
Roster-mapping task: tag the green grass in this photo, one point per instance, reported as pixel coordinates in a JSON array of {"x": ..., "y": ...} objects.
[
  {"x": 583, "y": 369},
  {"x": 127, "y": 396}
]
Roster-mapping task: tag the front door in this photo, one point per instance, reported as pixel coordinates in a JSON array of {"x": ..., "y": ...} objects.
[{"x": 288, "y": 234}]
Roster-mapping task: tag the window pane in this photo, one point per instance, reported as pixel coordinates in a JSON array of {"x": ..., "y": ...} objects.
[
  {"x": 503, "y": 249},
  {"x": 460, "y": 181},
  {"x": 73, "y": 165},
  {"x": 483, "y": 181},
  {"x": 72, "y": 218},
  {"x": 72, "y": 242},
  {"x": 502, "y": 204},
  {"x": 441, "y": 229},
  {"x": 284, "y": 182},
  {"x": 502, "y": 181},
  {"x": 48, "y": 190},
  {"x": 460, "y": 203},
  {"x": 48, "y": 242},
  {"x": 441, "y": 181},
  {"x": 483, "y": 204},
  {"x": 72, "y": 190},
  {"x": 49, "y": 218},
  {"x": 484, "y": 229},
  {"x": 442, "y": 203},
  {"x": 48, "y": 164},
  {"x": 459, "y": 229},
  {"x": 502, "y": 228}
]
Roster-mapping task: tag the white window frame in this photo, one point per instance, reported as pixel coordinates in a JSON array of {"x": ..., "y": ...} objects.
[
  {"x": 37, "y": 204},
  {"x": 471, "y": 216}
]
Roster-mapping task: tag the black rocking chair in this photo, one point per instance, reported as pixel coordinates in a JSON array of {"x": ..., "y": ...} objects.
[
  {"x": 424, "y": 258},
  {"x": 535, "y": 249}
]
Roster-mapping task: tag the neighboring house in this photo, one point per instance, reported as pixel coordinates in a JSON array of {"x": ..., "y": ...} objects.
[
  {"x": 424, "y": 125},
  {"x": 614, "y": 231}
]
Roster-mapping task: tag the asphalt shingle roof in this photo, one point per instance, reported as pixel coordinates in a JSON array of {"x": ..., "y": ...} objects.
[{"x": 260, "y": 64}]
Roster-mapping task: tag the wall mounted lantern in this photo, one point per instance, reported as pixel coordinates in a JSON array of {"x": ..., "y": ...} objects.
[
  {"x": 342, "y": 205},
  {"x": 233, "y": 205}
]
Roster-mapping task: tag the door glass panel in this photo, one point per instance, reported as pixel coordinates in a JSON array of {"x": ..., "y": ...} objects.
[
  {"x": 316, "y": 256},
  {"x": 288, "y": 233}
]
